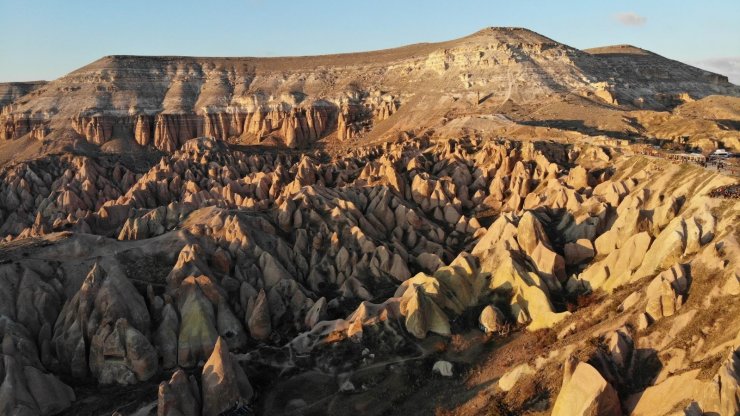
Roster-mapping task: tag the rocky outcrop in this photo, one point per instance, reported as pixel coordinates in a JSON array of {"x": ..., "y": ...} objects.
[
  {"x": 58, "y": 193},
  {"x": 296, "y": 127},
  {"x": 121, "y": 354},
  {"x": 723, "y": 395},
  {"x": 718, "y": 395},
  {"x": 223, "y": 386},
  {"x": 618, "y": 266},
  {"x": 259, "y": 321},
  {"x": 585, "y": 392},
  {"x": 179, "y": 396},
  {"x": 224, "y": 383},
  {"x": 108, "y": 318},
  {"x": 197, "y": 334},
  {"x": 499, "y": 252},
  {"x": 492, "y": 320},
  {"x": 30, "y": 301},
  {"x": 28, "y": 390},
  {"x": 665, "y": 294}
]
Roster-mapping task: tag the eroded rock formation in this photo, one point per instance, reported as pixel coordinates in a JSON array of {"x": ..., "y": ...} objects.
[
  {"x": 296, "y": 101},
  {"x": 152, "y": 242},
  {"x": 214, "y": 256}
]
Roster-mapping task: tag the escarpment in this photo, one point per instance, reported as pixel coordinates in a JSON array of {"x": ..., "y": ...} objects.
[
  {"x": 162, "y": 102},
  {"x": 296, "y": 127},
  {"x": 193, "y": 97}
]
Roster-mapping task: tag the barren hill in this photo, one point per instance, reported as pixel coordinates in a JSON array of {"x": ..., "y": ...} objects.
[{"x": 165, "y": 101}]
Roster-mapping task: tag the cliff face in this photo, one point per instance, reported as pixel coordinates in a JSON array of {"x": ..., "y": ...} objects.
[
  {"x": 655, "y": 80},
  {"x": 165, "y": 101}
]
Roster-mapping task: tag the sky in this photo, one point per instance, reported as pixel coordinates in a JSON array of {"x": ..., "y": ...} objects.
[{"x": 47, "y": 39}]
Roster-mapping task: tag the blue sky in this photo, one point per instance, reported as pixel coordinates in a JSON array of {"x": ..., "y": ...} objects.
[{"x": 47, "y": 39}]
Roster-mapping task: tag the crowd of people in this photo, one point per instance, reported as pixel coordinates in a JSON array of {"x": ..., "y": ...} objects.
[
  {"x": 727, "y": 191},
  {"x": 724, "y": 166},
  {"x": 721, "y": 164}
]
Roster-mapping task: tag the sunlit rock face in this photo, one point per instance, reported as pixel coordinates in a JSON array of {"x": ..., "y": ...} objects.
[
  {"x": 214, "y": 257},
  {"x": 162, "y": 102}
]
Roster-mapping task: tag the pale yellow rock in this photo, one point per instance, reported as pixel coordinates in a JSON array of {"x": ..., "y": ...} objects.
[
  {"x": 538, "y": 308},
  {"x": 617, "y": 268},
  {"x": 530, "y": 233},
  {"x": 587, "y": 393},
  {"x": 550, "y": 265},
  {"x": 461, "y": 292},
  {"x": 509, "y": 380},
  {"x": 530, "y": 301},
  {"x": 666, "y": 250},
  {"x": 423, "y": 315},
  {"x": 665, "y": 293},
  {"x": 662, "y": 398},
  {"x": 491, "y": 319}
]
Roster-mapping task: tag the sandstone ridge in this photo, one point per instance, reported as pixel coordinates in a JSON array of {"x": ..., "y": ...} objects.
[{"x": 163, "y": 101}]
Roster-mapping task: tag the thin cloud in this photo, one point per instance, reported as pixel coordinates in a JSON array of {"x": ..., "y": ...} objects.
[
  {"x": 728, "y": 66},
  {"x": 630, "y": 19}
]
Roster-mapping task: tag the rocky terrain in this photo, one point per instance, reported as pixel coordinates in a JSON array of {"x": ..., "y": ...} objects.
[{"x": 459, "y": 228}]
